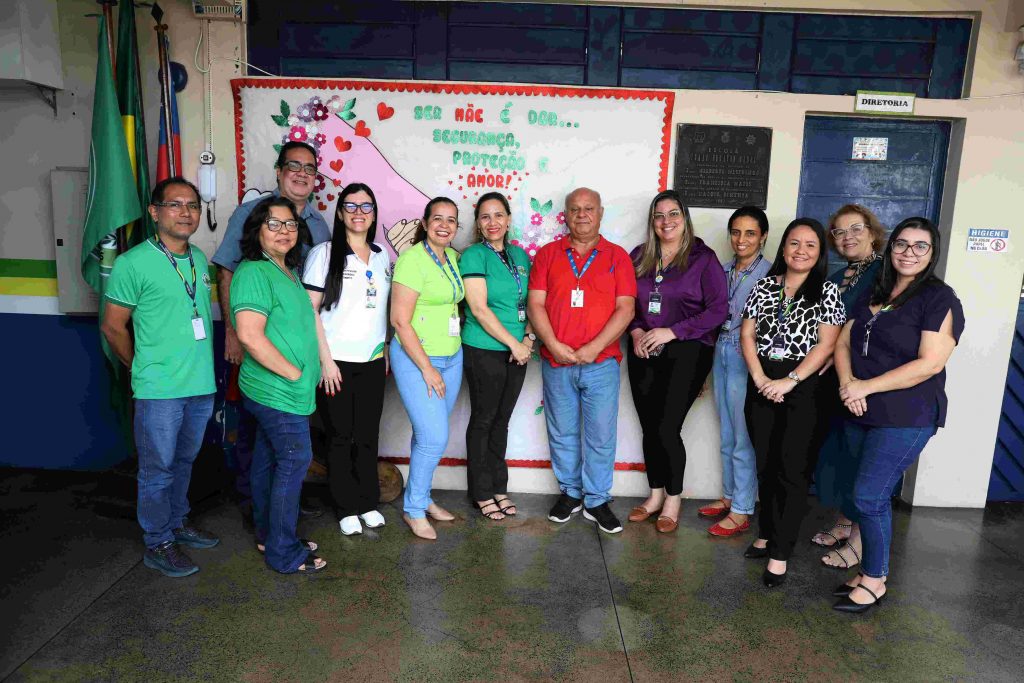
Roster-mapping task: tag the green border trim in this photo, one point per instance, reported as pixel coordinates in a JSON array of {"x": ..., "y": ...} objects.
[
  {"x": 913, "y": 104},
  {"x": 39, "y": 268}
]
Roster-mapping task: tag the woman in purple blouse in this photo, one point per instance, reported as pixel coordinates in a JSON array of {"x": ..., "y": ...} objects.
[
  {"x": 682, "y": 301},
  {"x": 891, "y": 358}
]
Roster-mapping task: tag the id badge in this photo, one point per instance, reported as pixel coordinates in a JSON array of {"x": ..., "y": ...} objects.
[
  {"x": 576, "y": 300},
  {"x": 371, "y": 301},
  {"x": 198, "y": 328},
  {"x": 727, "y": 325},
  {"x": 453, "y": 326},
  {"x": 522, "y": 312},
  {"x": 778, "y": 350},
  {"x": 654, "y": 303}
]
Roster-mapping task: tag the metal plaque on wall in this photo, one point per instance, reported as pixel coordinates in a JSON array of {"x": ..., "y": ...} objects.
[{"x": 722, "y": 167}]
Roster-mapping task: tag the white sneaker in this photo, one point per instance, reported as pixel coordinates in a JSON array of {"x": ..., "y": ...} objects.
[
  {"x": 372, "y": 519},
  {"x": 350, "y": 525}
]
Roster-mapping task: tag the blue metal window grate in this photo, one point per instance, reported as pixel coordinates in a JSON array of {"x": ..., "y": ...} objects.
[{"x": 611, "y": 46}]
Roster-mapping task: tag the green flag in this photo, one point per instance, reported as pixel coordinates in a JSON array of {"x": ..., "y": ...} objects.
[
  {"x": 129, "y": 97},
  {"x": 112, "y": 199}
]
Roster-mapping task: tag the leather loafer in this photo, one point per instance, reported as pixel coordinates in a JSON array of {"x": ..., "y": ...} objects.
[
  {"x": 640, "y": 514},
  {"x": 772, "y": 580},
  {"x": 754, "y": 553},
  {"x": 666, "y": 525}
]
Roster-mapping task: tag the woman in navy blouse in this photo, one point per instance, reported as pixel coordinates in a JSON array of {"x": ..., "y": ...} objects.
[
  {"x": 681, "y": 303},
  {"x": 891, "y": 359}
]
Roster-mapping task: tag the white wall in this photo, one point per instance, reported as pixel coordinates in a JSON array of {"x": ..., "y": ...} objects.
[{"x": 980, "y": 192}]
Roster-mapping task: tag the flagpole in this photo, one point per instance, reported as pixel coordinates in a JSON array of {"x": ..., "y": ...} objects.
[
  {"x": 108, "y": 16},
  {"x": 165, "y": 90}
]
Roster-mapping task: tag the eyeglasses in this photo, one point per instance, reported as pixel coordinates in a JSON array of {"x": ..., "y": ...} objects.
[
  {"x": 177, "y": 207},
  {"x": 919, "y": 248},
  {"x": 275, "y": 225},
  {"x": 855, "y": 230},
  {"x": 674, "y": 214},
  {"x": 295, "y": 167},
  {"x": 365, "y": 207}
]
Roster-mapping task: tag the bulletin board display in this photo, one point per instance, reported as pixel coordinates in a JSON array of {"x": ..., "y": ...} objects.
[{"x": 411, "y": 141}]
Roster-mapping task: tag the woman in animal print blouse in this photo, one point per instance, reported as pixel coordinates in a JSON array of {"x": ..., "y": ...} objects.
[{"x": 791, "y": 322}]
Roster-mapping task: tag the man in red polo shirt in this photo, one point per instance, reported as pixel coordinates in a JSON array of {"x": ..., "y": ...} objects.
[{"x": 581, "y": 296}]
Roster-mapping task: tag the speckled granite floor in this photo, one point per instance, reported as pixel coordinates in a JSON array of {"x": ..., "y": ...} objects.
[{"x": 523, "y": 599}]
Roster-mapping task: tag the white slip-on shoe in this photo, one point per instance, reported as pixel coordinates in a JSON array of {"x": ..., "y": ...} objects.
[
  {"x": 372, "y": 519},
  {"x": 350, "y": 525}
]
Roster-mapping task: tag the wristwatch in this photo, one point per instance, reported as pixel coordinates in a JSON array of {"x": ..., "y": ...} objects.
[
  {"x": 532, "y": 337},
  {"x": 795, "y": 377}
]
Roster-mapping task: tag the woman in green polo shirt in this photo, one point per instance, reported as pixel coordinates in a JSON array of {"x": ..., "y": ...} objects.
[
  {"x": 426, "y": 352},
  {"x": 497, "y": 343},
  {"x": 276, "y": 325}
]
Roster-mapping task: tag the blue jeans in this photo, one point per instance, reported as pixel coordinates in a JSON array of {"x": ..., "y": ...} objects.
[
  {"x": 886, "y": 453},
  {"x": 280, "y": 459},
  {"x": 429, "y": 417},
  {"x": 584, "y": 467},
  {"x": 739, "y": 464},
  {"x": 168, "y": 435}
]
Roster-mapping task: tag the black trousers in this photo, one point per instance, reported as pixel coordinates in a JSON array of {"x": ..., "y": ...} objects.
[
  {"x": 786, "y": 440},
  {"x": 494, "y": 386},
  {"x": 664, "y": 388},
  {"x": 352, "y": 420}
]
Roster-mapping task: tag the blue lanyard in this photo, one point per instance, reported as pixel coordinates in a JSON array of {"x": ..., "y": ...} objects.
[
  {"x": 457, "y": 281},
  {"x": 510, "y": 264},
  {"x": 576, "y": 271},
  {"x": 748, "y": 271}
]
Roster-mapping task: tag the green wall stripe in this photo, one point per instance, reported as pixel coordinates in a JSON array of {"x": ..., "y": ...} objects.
[{"x": 16, "y": 267}]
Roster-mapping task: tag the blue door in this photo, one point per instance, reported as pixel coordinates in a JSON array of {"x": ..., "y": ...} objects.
[
  {"x": 906, "y": 182},
  {"x": 1007, "y": 482}
]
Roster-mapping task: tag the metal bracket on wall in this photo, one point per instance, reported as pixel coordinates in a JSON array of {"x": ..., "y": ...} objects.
[{"x": 49, "y": 96}]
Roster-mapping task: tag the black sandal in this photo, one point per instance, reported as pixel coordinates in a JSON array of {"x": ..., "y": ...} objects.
[
  {"x": 839, "y": 553},
  {"x": 309, "y": 566},
  {"x": 846, "y": 603},
  {"x": 490, "y": 515},
  {"x": 505, "y": 509},
  {"x": 845, "y": 589},
  {"x": 837, "y": 542},
  {"x": 312, "y": 545}
]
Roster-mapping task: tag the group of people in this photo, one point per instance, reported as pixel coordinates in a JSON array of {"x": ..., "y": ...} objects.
[{"x": 849, "y": 366}]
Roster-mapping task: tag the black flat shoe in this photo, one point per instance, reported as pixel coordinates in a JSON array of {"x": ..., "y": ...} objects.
[
  {"x": 772, "y": 580},
  {"x": 754, "y": 553},
  {"x": 845, "y": 604},
  {"x": 843, "y": 590}
]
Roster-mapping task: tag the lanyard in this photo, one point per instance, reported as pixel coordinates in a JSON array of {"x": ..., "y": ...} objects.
[
  {"x": 455, "y": 294},
  {"x": 506, "y": 258},
  {"x": 735, "y": 288},
  {"x": 576, "y": 271},
  {"x": 189, "y": 289},
  {"x": 867, "y": 328},
  {"x": 783, "y": 314}
]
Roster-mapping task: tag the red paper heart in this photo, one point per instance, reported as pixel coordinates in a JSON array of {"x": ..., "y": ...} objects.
[
  {"x": 337, "y": 183},
  {"x": 342, "y": 144},
  {"x": 450, "y": 182},
  {"x": 384, "y": 111},
  {"x": 361, "y": 129},
  {"x": 465, "y": 197},
  {"x": 336, "y": 165},
  {"x": 330, "y": 197},
  {"x": 321, "y": 206},
  {"x": 460, "y": 187}
]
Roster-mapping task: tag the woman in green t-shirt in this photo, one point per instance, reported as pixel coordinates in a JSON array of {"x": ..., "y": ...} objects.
[
  {"x": 426, "y": 352},
  {"x": 276, "y": 325},
  {"x": 497, "y": 343}
]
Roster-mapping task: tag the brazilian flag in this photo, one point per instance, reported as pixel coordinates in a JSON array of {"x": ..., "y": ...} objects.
[{"x": 129, "y": 98}]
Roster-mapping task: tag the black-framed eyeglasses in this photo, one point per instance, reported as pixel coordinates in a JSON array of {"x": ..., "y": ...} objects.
[
  {"x": 177, "y": 207},
  {"x": 919, "y": 248},
  {"x": 365, "y": 207},
  {"x": 276, "y": 225},
  {"x": 295, "y": 167},
  {"x": 855, "y": 230}
]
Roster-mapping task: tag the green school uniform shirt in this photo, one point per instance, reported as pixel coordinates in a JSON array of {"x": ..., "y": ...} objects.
[
  {"x": 503, "y": 296},
  {"x": 262, "y": 286},
  {"x": 439, "y": 296},
  {"x": 169, "y": 361}
]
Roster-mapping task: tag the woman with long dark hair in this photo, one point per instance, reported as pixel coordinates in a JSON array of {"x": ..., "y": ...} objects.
[
  {"x": 857, "y": 235},
  {"x": 277, "y": 328},
  {"x": 891, "y": 359},
  {"x": 349, "y": 279},
  {"x": 426, "y": 352},
  {"x": 791, "y": 322},
  {"x": 748, "y": 231},
  {"x": 681, "y": 303}
]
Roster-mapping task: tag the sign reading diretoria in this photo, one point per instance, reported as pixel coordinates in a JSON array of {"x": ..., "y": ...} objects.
[{"x": 885, "y": 102}]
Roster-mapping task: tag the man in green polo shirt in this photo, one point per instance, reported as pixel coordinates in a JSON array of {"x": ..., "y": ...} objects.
[{"x": 162, "y": 287}]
